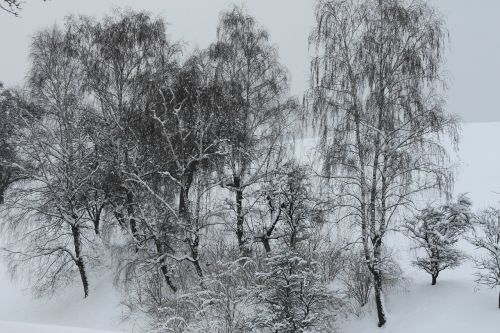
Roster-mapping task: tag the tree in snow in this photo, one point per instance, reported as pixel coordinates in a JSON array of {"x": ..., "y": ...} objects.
[
  {"x": 16, "y": 112},
  {"x": 375, "y": 92},
  {"x": 436, "y": 230},
  {"x": 256, "y": 84},
  {"x": 287, "y": 201},
  {"x": 291, "y": 296},
  {"x": 486, "y": 239},
  {"x": 49, "y": 223}
]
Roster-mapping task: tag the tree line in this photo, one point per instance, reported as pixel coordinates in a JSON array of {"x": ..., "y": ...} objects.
[{"x": 181, "y": 167}]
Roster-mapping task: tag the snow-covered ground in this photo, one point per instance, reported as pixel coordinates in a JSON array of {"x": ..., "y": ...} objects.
[{"x": 454, "y": 305}]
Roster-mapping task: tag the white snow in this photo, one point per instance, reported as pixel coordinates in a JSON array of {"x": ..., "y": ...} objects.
[
  {"x": 456, "y": 304},
  {"x": 453, "y": 305}
]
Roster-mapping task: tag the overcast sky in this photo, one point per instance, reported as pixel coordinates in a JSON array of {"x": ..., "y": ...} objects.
[{"x": 473, "y": 56}]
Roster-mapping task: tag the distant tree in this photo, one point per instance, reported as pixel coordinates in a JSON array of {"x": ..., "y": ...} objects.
[
  {"x": 16, "y": 113},
  {"x": 436, "y": 230},
  {"x": 486, "y": 239},
  {"x": 375, "y": 94},
  {"x": 256, "y": 84}
]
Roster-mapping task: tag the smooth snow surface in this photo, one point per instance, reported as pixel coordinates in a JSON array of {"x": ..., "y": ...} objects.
[
  {"x": 453, "y": 305},
  {"x": 13, "y": 327}
]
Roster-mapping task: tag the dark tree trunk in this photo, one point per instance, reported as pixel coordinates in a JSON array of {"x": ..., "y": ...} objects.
[
  {"x": 377, "y": 279},
  {"x": 75, "y": 230},
  {"x": 163, "y": 267},
  {"x": 2, "y": 199},
  {"x": 434, "y": 279},
  {"x": 267, "y": 244},
  {"x": 194, "y": 254},
  {"x": 244, "y": 251},
  {"x": 131, "y": 213}
]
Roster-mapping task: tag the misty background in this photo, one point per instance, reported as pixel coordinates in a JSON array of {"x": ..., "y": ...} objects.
[{"x": 473, "y": 60}]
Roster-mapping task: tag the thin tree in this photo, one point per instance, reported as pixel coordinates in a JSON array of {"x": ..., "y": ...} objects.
[
  {"x": 256, "y": 84},
  {"x": 486, "y": 239},
  {"x": 49, "y": 221},
  {"x": 375, "y": 93}
]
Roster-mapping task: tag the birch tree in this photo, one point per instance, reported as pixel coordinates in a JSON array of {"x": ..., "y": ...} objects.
[
  {"x": 376, "y": 83},
  {"x": 49, "y": 222},
  {"x": 247, "y": 65}
]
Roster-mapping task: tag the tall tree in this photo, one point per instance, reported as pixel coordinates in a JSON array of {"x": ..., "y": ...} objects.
[
  {"x": 49, "y": 216},
  {"x": 256, "y": 87},
  {"x": 375, "y": 90}
]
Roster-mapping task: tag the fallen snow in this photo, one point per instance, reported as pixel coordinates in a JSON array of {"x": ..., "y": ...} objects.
[{"x": 453, "y": 305}]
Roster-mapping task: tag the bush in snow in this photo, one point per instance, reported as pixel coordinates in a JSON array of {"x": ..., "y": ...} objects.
[
  {"x": 291, "y": 297},
  {"x": 220, "y": 304},
  {"x": 436, "y": 230},
  {"x": 356, "y": 279},
  {"x": 486, "y": 237}
]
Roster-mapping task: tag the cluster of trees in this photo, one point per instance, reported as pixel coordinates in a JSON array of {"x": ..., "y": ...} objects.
[{"x": 181, "y": 166}]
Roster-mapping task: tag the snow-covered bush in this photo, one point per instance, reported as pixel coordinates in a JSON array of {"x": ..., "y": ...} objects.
[
  {"x": 486, "y": 238},
  {"x": 291, "y": 297},
  {"x": 436, "y": 230},
  {"x": 356, "y": 279},
  {"x": 220, "y": 304}
]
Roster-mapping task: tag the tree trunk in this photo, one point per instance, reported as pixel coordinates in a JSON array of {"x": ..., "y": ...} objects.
[
  {"x": 2, "y": 199},
  {"x": 267, "y": 244},
  {"x": 244, "y": 251},
  {"x": 163, "y": 267},
  {"x": 164, "y": 271},
  {"x": 131, "y": 213},
  {"x": 195, "y": 254},
  {"x": 75, "y": 230},
  {"x": 434, "y": 279},
  {"x": 377, "y": 279}
]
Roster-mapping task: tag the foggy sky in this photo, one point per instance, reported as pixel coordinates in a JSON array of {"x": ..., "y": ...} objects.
[{"x": 473, "y": 56}]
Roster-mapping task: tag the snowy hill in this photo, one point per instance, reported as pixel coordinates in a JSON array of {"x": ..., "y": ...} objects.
[
  {"x": 454, "y": 305},
  {"x": 13, "y": 327}
]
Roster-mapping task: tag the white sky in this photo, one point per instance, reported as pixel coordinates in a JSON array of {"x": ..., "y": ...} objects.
[{"x": 473, "y": 59}]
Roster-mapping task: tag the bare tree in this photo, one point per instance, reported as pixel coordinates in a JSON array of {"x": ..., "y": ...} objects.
[
  {"x": 16, "y": 113},
  {"x": 486, "y": 238},
  {"x": 122, "y": 57},
  {"x": 375, "y": 91},
  {"x": 49, "y": 221},
  {"x": 256, "y": 85},
  {"x": 11, "y": 6}
]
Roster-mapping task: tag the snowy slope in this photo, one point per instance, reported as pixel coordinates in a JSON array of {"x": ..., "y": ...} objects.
[
  {"x": 13, "y": 327},
  {"x": 453, "y": 305},
  {"x": 99, "y": 311},
  {"x": 456, "y": 304}
]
